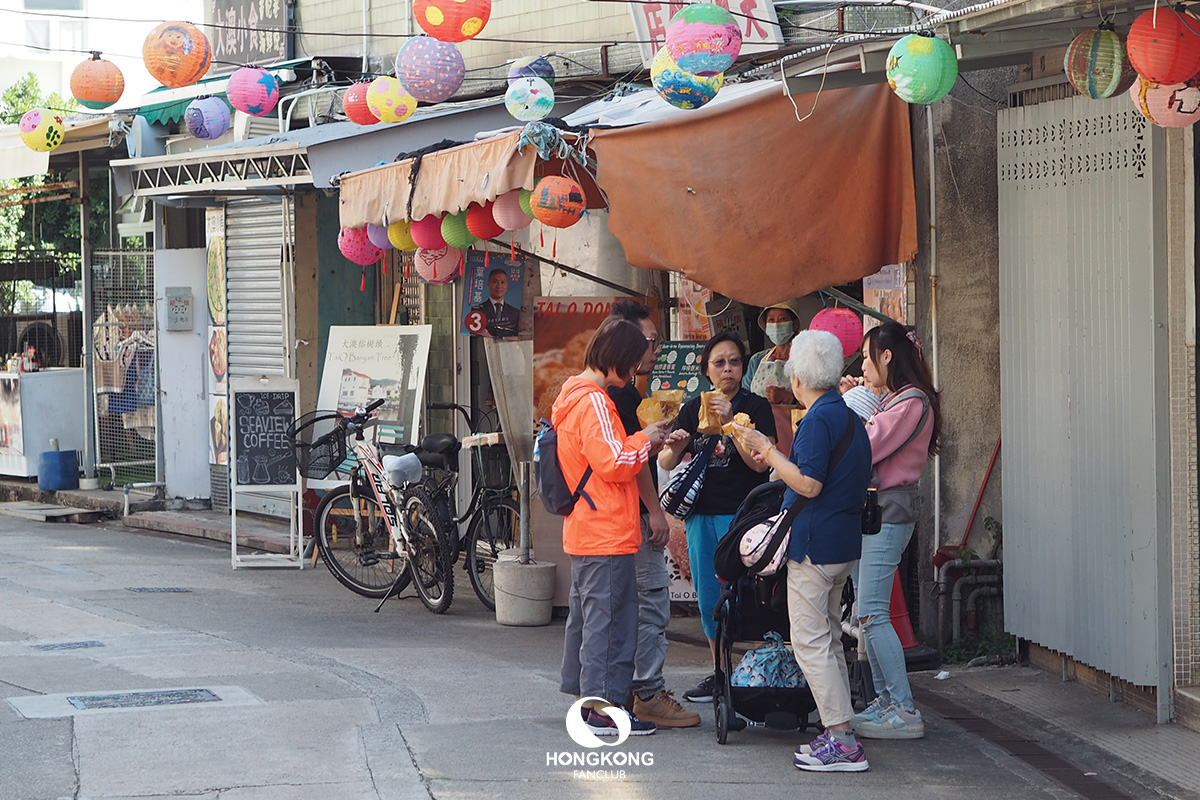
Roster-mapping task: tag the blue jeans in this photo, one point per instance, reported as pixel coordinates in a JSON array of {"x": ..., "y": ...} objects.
[
  {"x": 873, "y": 576},
  {"x": 703, "y": 533}
]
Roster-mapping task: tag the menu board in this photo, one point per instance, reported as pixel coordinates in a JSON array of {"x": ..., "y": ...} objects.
[
  {"x": 260, "y": 418},
  {"x": 678, "y": 367}
]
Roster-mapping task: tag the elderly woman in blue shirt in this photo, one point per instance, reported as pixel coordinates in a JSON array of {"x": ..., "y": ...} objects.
[{"x": 826, "y": 538}]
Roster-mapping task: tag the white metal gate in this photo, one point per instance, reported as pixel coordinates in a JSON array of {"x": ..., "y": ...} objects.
[
  {"x": 1084, "y": 384},
  {"x": 258, "y": 247}
]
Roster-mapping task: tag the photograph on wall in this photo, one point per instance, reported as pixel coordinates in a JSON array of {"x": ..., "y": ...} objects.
[
  {"x": 492, "y": 289},
  {"x": 884, "y": 292},
  {"x": 12, "y": 443},
  {"x": 218, "y": 360},
  {"x": 214, "y": 234},
  {"x": 218, "y": 429}
]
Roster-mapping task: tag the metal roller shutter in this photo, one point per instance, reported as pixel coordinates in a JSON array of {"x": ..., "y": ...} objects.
[{"x": 258, "y": 274}]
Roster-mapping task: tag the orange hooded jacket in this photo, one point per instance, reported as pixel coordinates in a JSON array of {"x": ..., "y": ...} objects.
[{"x": 590, "y": 433}]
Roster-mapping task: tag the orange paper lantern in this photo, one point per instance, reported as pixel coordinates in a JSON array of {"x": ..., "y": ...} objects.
[
  {"x": 97, "y": 83},
  {"x": 452, "y": 20},
  {"x": 177, "y": 54},
  {"x": 557, "y": 201},
  {"x": 1164, "y": 45}
]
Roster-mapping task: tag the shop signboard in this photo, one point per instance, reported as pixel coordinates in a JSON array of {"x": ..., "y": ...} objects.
[
  {"x": 884, "y": 292},
  {"x": 261, "y": 415},
  {"x": 727, "y": 315},
  {"x": 693, "y": 320},
  {"x": 678, "y": 367},
  {"x": 562, "y": 328},
  {"x": 251, "y": 32},
  {"x": 757, "y": 19},
  {"x": 493, "y": 286}
]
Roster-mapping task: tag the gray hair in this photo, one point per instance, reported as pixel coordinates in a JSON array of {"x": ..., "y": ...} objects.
[{"x": 815, "y": 360}]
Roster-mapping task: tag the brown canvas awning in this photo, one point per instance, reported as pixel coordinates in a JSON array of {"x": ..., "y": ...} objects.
[{"x": 747, "y": 201}]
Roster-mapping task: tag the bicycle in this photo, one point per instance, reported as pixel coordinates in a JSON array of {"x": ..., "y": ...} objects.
[
  {"x": 362, "y": 531},
  {"x": 492, "y": 515}
]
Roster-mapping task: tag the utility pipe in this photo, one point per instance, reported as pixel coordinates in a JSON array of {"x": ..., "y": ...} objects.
[
  {"x": 933, "y": 330},
  {"x": 85, "y": 267},
  {"x": 366, "y": 16},
  {"x": 982, "y": 591},
  {"x": 956, "y": 599},
  {"x": 943, "y": 576}
]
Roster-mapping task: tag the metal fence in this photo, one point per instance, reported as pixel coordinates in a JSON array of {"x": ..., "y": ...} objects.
[{"x": 125, "y": 372}]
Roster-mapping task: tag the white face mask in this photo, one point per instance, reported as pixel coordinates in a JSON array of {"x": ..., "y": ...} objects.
[{"x": 780, "y": 332}]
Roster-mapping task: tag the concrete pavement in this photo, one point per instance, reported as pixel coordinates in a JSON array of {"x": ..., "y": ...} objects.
[{"x": 331, "y": 701}]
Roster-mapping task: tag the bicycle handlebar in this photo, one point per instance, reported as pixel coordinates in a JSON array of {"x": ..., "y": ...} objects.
[
  {"x": 440, "y": 406},
  {"x": 373, "y": 406}
]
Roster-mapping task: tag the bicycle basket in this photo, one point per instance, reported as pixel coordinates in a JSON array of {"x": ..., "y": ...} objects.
[
  {"x": 493, "y": 466},
  {"x": 319, "y": 442}
]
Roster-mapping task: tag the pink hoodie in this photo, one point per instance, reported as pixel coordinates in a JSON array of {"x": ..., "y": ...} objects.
[{"x": 888, "y": 429}]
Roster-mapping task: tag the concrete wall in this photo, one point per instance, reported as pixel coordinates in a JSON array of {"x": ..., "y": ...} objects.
[
  {"x": 967, "y": 346},
  {"x": 182, "y": 360}
]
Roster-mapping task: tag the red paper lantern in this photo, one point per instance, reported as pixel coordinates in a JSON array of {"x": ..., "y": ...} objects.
[
  {"x": 1164, "y": 45},
  {"x": 557, "y": 201},
  {"x": 452, "y": 20},
  {"x": 354, "y": 104},
  {"x": 177, "y": 54},
  {"x": 481, "y": 223},
  {"x": 97, "y": 83},
  {"x": 427, "y": 232},
  {"x": 356, "y": 246},
  {"x": 842, "y": 323}
]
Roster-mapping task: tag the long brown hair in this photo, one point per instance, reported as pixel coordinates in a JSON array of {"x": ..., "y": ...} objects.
[{"x": 907, "y": 368}]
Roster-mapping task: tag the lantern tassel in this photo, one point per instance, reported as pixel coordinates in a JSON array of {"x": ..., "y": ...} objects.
[
  {"x": 542, "y": 236},
  {"x": 512, "y": 243},
  {"x": 486, "y": 256},
  {"x": 362, "y": 286},
  {"x": 383, "y": 260},
  {"x": 554, "y": 247}
]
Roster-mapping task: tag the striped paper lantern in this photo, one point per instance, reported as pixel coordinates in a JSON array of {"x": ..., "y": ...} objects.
[{"x": 1095, "y": 64}]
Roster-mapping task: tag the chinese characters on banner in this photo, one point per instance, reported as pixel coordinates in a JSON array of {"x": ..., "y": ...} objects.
[
  {"x": 254, "y": 32},
  {"x": 757, "y": 18},
  {"x": 492, "y": 292},
  {"x": 884, "y": 292}
]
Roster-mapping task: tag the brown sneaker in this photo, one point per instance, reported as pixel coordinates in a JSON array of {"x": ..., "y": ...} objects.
[{"x": 664, "y": 711}]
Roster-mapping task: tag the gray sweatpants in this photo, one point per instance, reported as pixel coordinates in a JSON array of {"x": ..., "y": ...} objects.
[
  {"x": 654, "y": 612},
  {"x": 601, "y": 634}
]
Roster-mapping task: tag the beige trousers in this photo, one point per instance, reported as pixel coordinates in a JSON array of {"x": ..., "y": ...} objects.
[{"x": 814, "y": 609}]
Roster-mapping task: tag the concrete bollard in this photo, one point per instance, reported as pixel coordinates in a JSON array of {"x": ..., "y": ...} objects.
[{"x": 524, "y": 592}]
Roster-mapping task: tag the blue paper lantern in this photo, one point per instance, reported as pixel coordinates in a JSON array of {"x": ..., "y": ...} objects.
[
  {"x": 534, "y": 67},
  {"x": 207, "y": 117}
]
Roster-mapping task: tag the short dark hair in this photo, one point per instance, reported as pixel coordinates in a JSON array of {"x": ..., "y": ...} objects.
[
  {"x": 723, "y": 336},
  {"x": 629, "y": 309},
  {"x": 501, "y": 270},
  {"x": 618, "y": 344}
]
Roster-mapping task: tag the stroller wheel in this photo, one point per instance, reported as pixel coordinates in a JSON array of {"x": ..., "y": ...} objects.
[
  {"x": 719, "y": 711},
  {"x": 862, "y": 687}
]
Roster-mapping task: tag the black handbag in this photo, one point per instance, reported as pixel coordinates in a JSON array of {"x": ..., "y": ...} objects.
[{"x": 872, "y": 514}]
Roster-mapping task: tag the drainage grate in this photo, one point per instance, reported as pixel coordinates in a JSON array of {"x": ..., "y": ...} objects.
[
  {"x": 157, "y": 589},
  {"x": 67, "y": 645},
  {"x": 172, "y": 697}
]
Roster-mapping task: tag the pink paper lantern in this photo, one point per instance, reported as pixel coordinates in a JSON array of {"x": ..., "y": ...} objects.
[
  {"x": 430, "y": 70},
  {"x": 253, "y": 91},
  {"x": 439, "y": 265},
  {"x": 507, "y": 212},
  {"x": 355, "y": 245},
  {"x": 427, "y": 232},
  {"x": 481, "y": 223},
  {"x": 842, "y": 323},
  {"x": 378, "y": 235},
  {"x": 1174, "y": 105}
]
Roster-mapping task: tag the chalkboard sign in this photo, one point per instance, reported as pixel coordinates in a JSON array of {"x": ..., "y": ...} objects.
[
  {"x": 263, "y": 456},
  {"x": 678, "y": 367}
]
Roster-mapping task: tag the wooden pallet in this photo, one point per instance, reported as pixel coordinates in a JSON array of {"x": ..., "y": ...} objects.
[{"x": 44, "y": 512}]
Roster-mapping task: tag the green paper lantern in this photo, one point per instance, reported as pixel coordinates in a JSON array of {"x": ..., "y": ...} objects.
[
  {"x": 523, "y": 200},
  {"x": 921, "y": 69},
  {"x": 1096, "y": 65},
  {"x": 454, "y": 230}
]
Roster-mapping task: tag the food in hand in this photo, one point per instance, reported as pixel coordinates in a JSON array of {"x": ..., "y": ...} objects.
[
  {"x": 709, "y": 422},
  {"x": 740, "y": 418},
  {"x": 660, "y": 406}
]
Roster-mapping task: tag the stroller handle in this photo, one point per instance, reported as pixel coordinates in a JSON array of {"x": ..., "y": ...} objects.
[{"x": 763, "y": 489}]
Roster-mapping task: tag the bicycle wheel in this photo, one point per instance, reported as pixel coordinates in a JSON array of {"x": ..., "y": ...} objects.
[
  {"x": 494, "y": 528},
  {"x": 357, "y": 548},
  {"x": 429, "y": 551}
]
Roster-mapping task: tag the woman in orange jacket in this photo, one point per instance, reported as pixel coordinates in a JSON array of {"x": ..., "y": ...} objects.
[{"x": 602, "y": 542}]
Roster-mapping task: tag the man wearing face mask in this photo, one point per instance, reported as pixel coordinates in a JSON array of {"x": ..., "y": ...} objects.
[{"x": 780, "y": 322}]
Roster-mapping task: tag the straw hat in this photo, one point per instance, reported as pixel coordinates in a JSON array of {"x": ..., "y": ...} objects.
[{"x": 802, "y": 308}]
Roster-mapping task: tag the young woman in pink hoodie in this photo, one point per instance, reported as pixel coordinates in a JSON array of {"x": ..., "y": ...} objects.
[{"x": 903, "y": 433}]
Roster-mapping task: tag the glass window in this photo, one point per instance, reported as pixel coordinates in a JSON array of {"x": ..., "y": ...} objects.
[
  {"x": 37, "y": 33},
  {"x": 54, "y": 5},
  {"x": 71, "y": 35}
]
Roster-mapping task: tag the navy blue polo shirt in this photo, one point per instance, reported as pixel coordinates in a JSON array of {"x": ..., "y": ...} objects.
[{"x": 829, "y": 528}]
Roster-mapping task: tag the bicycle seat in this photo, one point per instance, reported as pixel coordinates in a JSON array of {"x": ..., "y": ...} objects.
[{"x": 441, "y": 443}]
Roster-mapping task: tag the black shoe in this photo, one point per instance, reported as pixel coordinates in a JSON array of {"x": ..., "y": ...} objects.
[{"x": 702, "y": 693}]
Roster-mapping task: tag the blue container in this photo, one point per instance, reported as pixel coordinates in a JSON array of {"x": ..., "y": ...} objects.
[{"x": 58, "y": 469}]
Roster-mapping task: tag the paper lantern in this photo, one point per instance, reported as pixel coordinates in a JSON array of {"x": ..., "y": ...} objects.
[
  {"x": 207, "y": 117},
  {"x": 481, "y": 223},
  {"x": 378, "y": 236},
  {"x": 1164, "y": 46},
  {"x": 427, "y": 232},
  {"x": 703, "y": 39},
  {"x": 354, "y": 104},
  {"x": 557, "y": 201},
  {"x": 1095, "y": 64},
  {"x": 253, "y": 91},
  {"x": 532, "y": 67},
  {"x": 921, "y": 69},
  {"x": 452, "y": 20},
  {"x": 176, "y": 54},
  {"x": 455, "y": 232},
  {"x": 507, "y": 211},
  {"x": 842, "y": 323},
  {"x": 430, "y": 70},
  {"x": 1171, "y": 106},
  {"x": 529, "y": 99},
  {"x": 97, "y": 83},
  {"x": 42, "y": 130},
  {"x": 355, "y": 245},
  {"x": 438, "y": 265},
  {"x": 679, "y": 88},
  {"x": 524, "y": 198},
  {"x": 400, "y": 235},
  {"x": 388, "y": 101}
]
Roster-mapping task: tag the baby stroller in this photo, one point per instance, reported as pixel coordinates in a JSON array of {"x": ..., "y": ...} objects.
[{"x": 747, "y": 610}]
